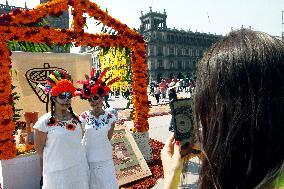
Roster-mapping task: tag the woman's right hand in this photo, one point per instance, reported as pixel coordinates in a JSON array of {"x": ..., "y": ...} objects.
[{"x": 172, "y": 163}]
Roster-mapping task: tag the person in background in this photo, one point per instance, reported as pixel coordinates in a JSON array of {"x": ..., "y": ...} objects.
[
  {"x": 58, "y": 136},
  {"x": 172, "y": 96},
  {"x": 163, "y": 88},
  {"x": 99, "y": 124},
  {"x": 152, "y": 86},
  {"x": 239, "y": 108},
  {"x": 172, "y": 93},
  {"x": 157, "y": 93},
  {"x": 180, "y": 85}
]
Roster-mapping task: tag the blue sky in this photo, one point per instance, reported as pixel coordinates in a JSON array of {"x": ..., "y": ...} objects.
[{"x": 217, "y": 16}]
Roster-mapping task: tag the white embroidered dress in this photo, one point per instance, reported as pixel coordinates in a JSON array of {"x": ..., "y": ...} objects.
[
  {"x": 64, "y": 157},
  {"x": 99, "y": 149}
]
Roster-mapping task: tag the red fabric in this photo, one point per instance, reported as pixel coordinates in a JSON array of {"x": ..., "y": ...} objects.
[{"x": 163, "y": 86}]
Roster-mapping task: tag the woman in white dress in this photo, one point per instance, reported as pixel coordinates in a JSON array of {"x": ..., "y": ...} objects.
[
  {"x": 99, "y": 125},
  {"x": 58, "y": 136}
]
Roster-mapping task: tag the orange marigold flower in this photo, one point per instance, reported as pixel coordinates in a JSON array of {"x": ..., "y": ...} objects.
[
  {"x": 63, "y": 86},
  {"x": 52, "y": 121}
]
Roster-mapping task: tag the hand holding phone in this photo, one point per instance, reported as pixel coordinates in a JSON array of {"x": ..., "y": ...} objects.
[{"x": 183, "y": 123}]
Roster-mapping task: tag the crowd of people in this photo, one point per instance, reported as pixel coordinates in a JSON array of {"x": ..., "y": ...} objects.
[
  {"x": 238, "y": 112},
  {"x": 166, "y": 88}
]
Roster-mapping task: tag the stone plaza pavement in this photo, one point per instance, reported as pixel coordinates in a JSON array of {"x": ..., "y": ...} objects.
[{"x": 159, "y": 131}]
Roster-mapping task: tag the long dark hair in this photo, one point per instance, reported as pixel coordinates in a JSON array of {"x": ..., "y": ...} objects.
[
  {"x": 239, "y": 105},
  {"x": 51, "y": 121}
]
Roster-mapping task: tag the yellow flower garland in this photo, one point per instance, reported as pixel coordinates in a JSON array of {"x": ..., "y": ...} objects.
[{"x": 117, "y": 62}]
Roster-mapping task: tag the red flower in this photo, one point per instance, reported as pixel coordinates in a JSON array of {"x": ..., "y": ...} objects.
[
  {"x": 70, "y": 127},
  {"x": 52, "y": 121},
  {"x": 63, "y": 86},
  {"x": 94, "y": 89}
]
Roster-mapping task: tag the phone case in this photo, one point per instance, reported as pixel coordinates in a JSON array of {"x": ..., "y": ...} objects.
[{"x": 183, "y": 120}]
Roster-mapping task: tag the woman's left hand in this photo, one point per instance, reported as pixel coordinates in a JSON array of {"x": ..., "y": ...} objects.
[{"x": 172, "y": 163}]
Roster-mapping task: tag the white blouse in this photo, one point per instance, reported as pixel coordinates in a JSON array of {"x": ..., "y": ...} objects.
[
  {"x": 63, "y": 148},
  {"x": 96, "y": 140}
]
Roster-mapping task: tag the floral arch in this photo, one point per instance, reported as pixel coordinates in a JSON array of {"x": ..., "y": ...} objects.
[{"x": 15, "y": 26}]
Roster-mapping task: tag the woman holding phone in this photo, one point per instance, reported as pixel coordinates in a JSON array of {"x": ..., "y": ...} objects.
[{"x": 239, "y": 108}]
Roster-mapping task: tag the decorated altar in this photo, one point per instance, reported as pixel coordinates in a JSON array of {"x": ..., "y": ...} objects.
[{"x": 24, "y": 26}]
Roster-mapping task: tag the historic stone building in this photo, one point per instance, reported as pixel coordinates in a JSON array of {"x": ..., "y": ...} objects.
[
  {"x": 172, "y": 53},
  {"x": 55, "y": 22},
  {"x": 6, "y": 8}
]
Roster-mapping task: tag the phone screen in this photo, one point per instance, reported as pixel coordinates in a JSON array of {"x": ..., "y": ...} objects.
[{"x": 183, "y": 122}]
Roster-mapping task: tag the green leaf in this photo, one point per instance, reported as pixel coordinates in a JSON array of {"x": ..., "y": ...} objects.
[
  {"x": 103, "y": 28},
  {"x": 42, "y": 47},
  {"x": 45, "y": 21},
  {"x": 28, "y": 46},
  {"x": 22, "y": 46},
  {"x": 106, "y": 50},
  {"x": 16, "y": 98},
  {"x": 46, "y": 47}
]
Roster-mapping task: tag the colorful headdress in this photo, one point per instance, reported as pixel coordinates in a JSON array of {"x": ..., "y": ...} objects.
[
  {"x": 95, "y": 85},
  {"x": 58, "y": 82}
]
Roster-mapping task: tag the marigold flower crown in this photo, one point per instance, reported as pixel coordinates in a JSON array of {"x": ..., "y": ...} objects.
[
  {"x": 58, "y": 82},
  {"x": 95, "y": 85}
]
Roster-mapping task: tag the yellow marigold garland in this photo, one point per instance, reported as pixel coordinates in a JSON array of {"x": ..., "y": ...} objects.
[{"x": 115, "y": 60}]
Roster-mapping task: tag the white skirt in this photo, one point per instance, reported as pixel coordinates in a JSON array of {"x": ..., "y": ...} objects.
[
  {"x": 102, "y": 175},
  {"x": 72, "y": 178}
]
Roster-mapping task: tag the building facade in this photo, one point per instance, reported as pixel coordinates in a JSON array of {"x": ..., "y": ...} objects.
[
  {"x": 6, "y": 8},
  {"x": 55, "y": 22},
  {"x": 171, "y": 53}
]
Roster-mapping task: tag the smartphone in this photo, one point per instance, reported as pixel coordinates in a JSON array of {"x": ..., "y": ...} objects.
[{"x": 183, "y": 123}]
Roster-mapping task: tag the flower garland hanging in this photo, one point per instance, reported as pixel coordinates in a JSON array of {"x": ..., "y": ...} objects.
[
  {"x": 7, "y": 128},
  {"x": 116, "y": 60},
  {"x": 18, "y": 26}
]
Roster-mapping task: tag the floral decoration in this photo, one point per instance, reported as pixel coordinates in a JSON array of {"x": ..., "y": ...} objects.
[
  {"x": 116, "y": 60},
  {"x": 70, "y": 127},
  {"x": 19, "y": 25},
  {"x": 53, "y": 121},
  {"x": 95, "y": 85},
  {"x": 63, "y": 86},
  {"x": 25, "y": 148}
]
